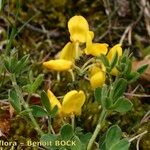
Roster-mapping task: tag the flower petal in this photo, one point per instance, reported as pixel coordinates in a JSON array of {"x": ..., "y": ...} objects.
[
  {"x": 96, "y": 49},
  {"x": 72, "y": 102},
  {"x": 58, "y": 65},
  {"x": 98, "y": 79},
  {"x": 117, "y": 48},
  {"x": 114, "y": 71},
  {"x": 53, "y": 100},
  {"x": 94, "y": 70},
  {"x": 78, "y": 27},
  {"x": 89, "y": 38},
  {"x": 68, "y": 52}
]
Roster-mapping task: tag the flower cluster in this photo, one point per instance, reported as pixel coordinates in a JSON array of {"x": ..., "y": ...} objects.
[{"x": 81, "y": 43}]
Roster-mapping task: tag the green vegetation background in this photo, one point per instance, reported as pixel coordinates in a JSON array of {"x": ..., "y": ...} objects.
[{"x": 45, "y": 33}]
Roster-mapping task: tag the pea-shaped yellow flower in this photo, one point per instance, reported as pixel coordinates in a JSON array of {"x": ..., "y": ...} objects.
[
  {"x": 97, "y": 78},
  {"x": 115, "y": 49},
  {"x": 58, "y": 65},
  {"x": 78, "y": 28},
  {"x": 71, "y": 104}
]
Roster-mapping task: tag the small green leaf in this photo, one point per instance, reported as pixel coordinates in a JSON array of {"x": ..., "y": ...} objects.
[
  {"x": 21, "y": 64},
  {"x": 97, "y": 94},
  {"x": 14, "y": 61},
  {"x": 85, "y": 139},
  {"x": 38, "y": 111},
  {"x": 78, "y": 131},
  {"x": 121, "y": 145},
  {"x": 142, "y": 69},
  {"x": 77, "y": 145},
  {"x": 37, "y": 82},
  {"x": 107, "y": 103},
  {"x": 113, "y": 135},
  {"x": 27, "y": 88},
  {"x": 128, "y": 68},
  {"x": 11, "y": 38},
  {"x": 7, "y": 63},
  {"x": 14, "y": 100},
  {"x": 122, "y": 105},
  {"x": 25, "y": 112},
  {"x": 45, "y": 101},
  {"x": 103, "y": 146},
  {"x": 54, "y": 111},
  {"x": 50, "y": 139},
  {"x": 114, "y": 61},
  {"x": 118, "y": 88},
  {"x": 66, "y": 132},
  {"x": 105, "y": 60},
  {"x": 101, "y": 95},
  {"x": 31, "y": 77},
  {"x": 134, "y": 76},
  {"x": 104, "y": 95}
]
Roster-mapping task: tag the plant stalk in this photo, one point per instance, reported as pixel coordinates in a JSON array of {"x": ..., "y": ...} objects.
[
  {"x": 25, "y": 105},
  {"x": 97, "y": 129}
]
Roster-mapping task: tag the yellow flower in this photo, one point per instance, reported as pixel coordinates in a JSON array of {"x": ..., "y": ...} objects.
[
  {"x": 94, "y": 70},
  {"x": 97, "y": 79},
  {"x": 78, "y": 28},
  {"x": 58, "y": 65},
  {"x": 69, "y": 52},
  {"x": 115, "y": 49},
  {"x": 96, "y": 49},
  {"x": 72, "y": 102}
]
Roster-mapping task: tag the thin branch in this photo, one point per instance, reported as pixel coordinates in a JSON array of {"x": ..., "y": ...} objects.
[
  {"x": 136, "y": 95},
  {"x": 52, "y": 33},
  {"x": 128, "y": 30},
  {"x": 146, "y": 117},
  {"x": 138, "y": 136}
]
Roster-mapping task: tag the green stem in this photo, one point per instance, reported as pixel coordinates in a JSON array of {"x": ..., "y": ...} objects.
[
  {"x": 86, "y": 68},
  {"x": 89, "y": 61},
  {"x": 97, "y": 129},
  {"x": 110, "y": 78},
  {"x": 25, "y": 105},
  {"x": 73, "y": 121},
  {"x": 49, "y": 124},
  {"x": 50, "y": 128}
]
